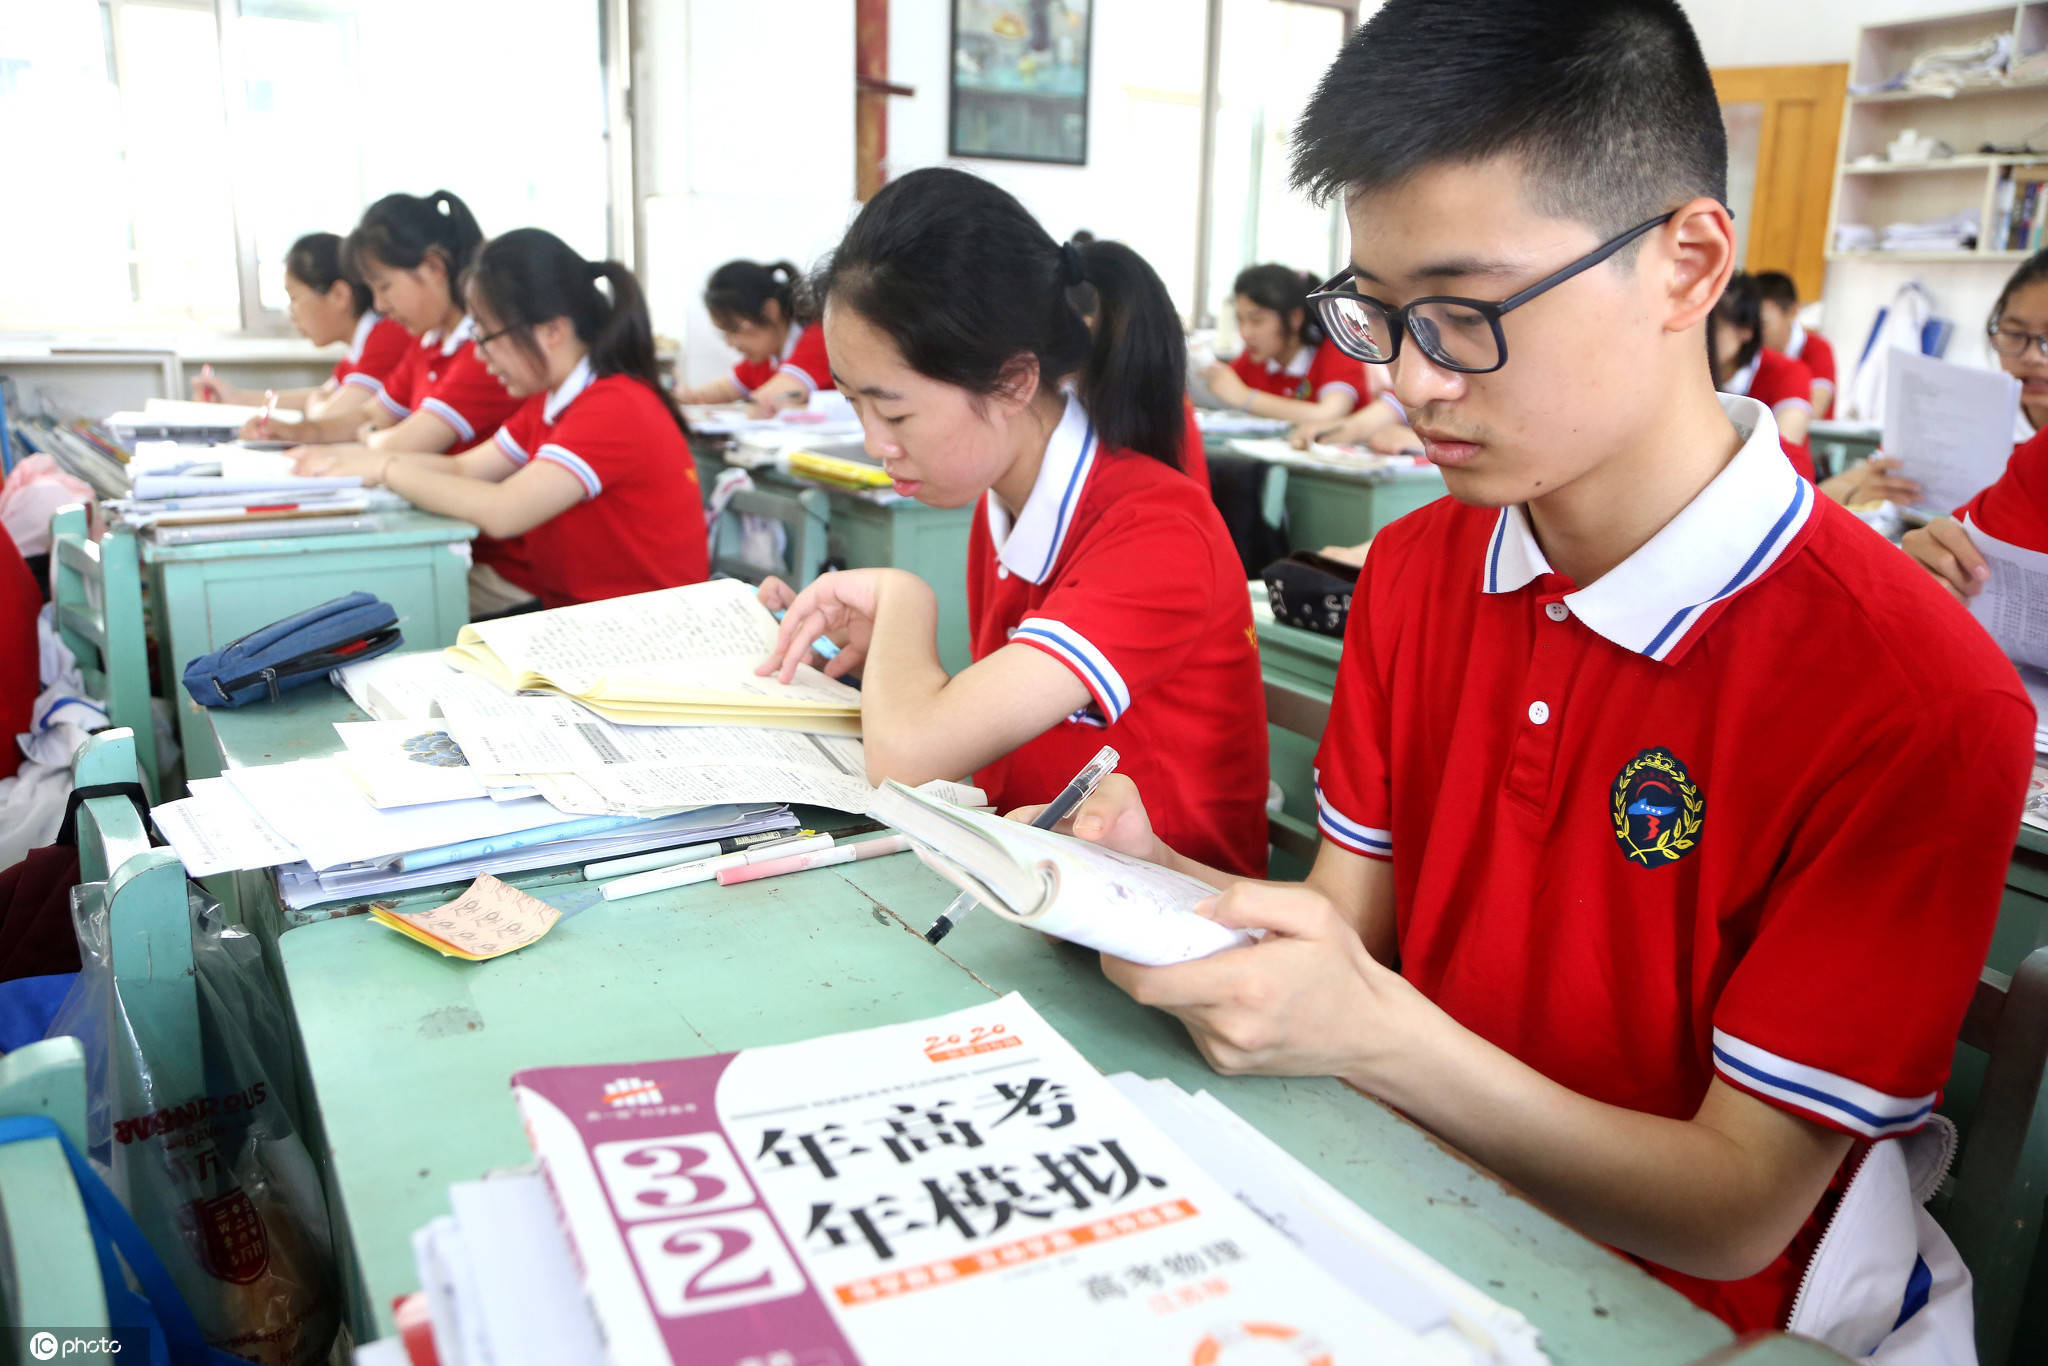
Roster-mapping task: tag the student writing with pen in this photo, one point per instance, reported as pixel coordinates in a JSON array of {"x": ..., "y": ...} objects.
[{"x": 1106, "y": 603}]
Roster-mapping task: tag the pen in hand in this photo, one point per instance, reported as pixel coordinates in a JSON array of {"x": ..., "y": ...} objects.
[{"x": 1058, "y": 809}]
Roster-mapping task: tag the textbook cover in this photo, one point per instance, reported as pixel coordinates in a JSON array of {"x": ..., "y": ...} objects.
[{"x": 964, "y": 1187}]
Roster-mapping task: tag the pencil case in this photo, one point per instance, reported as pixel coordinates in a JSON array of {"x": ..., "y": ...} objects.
[
  {"x": 294, "y": 651},
  {"x": 1311, "y": 591}
]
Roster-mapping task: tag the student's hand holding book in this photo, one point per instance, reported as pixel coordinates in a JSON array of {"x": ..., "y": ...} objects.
[{"x": 1943, "y": 549}]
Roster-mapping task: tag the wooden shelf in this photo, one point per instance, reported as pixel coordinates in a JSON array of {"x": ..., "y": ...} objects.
[
  {"x": 1966, "y": 93},
  {"x": 1929, "y": 257},
  {"x": 1938, "y": 164}
]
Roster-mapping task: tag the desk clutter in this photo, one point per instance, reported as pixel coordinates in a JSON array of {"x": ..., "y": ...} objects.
[{"x": 882, "y": 1196}]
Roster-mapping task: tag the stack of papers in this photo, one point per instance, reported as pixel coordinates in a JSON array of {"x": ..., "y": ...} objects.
[
  {"x": 1957, "y": 232},
  {"x": 1370, "y": 465},
  {"x": 995, "y": 1190},
  {"x": 1229, "y": 422},
  {"x": 1855, "y": 237},
  {"x": 1946, "y": 70},
  {"x": 229, "y": 491},
  {"x": 185, "y": 419}
]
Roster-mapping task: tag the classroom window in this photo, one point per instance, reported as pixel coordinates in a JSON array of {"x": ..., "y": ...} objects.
[{"x": 190, "y": 171}]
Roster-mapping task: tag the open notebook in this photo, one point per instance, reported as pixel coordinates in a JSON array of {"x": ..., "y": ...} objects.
[
  {"x": 1060, "y": 885},
  {"x": 680, "y": 656}
]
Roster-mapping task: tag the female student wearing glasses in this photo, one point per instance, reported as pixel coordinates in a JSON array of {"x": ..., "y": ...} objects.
[
  {"x": 592, "y": 472},
  {"x": 2015, "y": 509},
  {"x": 1105, "y": 601}
]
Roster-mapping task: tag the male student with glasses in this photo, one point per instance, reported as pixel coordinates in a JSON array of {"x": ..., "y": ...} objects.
[{"x": 1629, "y": 887}]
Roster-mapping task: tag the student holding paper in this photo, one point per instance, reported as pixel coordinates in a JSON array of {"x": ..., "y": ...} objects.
[
  {"x": 1106, "y": 602},
  {"x": 1600, "y": 900},
  {"x": 757, "y": 309},
  {"x": 411, "y": 252},
  {"x": 327, "y": 307},
  {"x": 2014, "y": 510},
  {"x": 592, "y": 471}
]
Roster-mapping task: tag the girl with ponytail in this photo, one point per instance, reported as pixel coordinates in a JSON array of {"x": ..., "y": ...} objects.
[
  {"x": 1106, "y": 604},
  {"x": 592, "y": 472},
  {"x": 410, "y": 252},
  {"x": 1288, "y": 368},
  {"x": 759, "y": 311}
]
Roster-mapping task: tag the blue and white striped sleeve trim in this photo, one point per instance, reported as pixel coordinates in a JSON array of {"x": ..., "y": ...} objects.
[
  {"x": 365, "y": 380},
  {"x": 1349, "y": 834},
  {"x": 575, "y": 464},
  {"x": 1073, "y": 649},
  {"x": 810, "y": 385},
  {"x": 1833, "y": 1100},
  {"x": 509, "y": 444},
  {"x": 1388, "y": 398},
  {"x": 448, "y": 415},
  {"x": 392, "y": 405},
  {"x": 1345, "y": 385}
]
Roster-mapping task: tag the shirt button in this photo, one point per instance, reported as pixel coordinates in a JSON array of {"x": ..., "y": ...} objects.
[
  {"x": 1539, "y": 712},
  {"x": 1556, "y": 611}
]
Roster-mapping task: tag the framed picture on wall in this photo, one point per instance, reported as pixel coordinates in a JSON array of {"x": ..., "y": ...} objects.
[{"x": 1019, "y": 84}]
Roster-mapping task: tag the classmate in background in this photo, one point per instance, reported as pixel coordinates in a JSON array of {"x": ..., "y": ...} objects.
[
  {"x": 327, "y": 307},
  {"x": 1782, "y": 333},
  {"x": 1288, "y": 369},
  {"x": 758, "y": 310},
  {"x": 1600, "y": 900},
  {"x": 1380, "y": 426},
  {"x": 411, "y": 252},
  {"x": 2018, "y": 333},
  {"x": 592, "y": 472},
  {"x": 1744, "y": 365},
  {"x": 1105, "y": 600}
]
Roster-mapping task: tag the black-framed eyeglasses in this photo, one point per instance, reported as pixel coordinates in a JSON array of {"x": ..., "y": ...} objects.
[
  {"x": 2017, "y": 344},
  {"x": 1458, "y": 334},
  {"x": 480, "y": 342}
]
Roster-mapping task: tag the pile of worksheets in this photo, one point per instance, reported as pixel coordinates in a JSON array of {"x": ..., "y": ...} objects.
[{"x": 182, "y": 491}]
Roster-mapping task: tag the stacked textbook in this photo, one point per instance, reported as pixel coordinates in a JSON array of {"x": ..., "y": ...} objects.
[{"x": 966, "y": 1187}]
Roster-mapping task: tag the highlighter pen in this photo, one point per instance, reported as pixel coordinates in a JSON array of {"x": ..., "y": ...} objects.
[
  {"x": 212, "y": 390},
  {"x": 688, "y": 874},
  {"x": 1058, "y": 809},
  {"x": 823, "y": 644},
  {"x": 689, "y": 853},
  {"x": 827, "y": 858}
]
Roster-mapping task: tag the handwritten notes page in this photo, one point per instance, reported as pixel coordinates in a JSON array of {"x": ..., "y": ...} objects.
[
  {"x": 1949, "y": 425},
  {"x": 489, "y": 920}
]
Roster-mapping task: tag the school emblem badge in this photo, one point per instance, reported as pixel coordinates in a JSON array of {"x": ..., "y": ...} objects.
[{"x": 1658, "y": 810}]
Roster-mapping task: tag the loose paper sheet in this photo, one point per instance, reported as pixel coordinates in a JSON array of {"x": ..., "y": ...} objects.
[
  {"x": 2014, "y": 604},
  {"x": 489, "y": 920},
  {"x": 1949, "y": 425},
  {"x": 215, "y": 831}
]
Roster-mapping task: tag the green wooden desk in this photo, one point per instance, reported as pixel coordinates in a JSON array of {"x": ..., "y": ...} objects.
[
  {"x": 1344, "y": 507},
  {"x": 203, "y": 596},
  {"x": 397, "y": 1041}
]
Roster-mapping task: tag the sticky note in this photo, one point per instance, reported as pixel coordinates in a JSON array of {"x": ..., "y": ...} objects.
[{"x": 488, "y": 920}]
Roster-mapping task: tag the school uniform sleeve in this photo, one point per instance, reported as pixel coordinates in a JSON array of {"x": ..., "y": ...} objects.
[
  {"x": 595, "y": 439},
  {"x": 400, "y": 390},
  {"x": 521, "y": 433},
  {"x": 468, "y": 397},
  {"x": 807, "y": 363},
  {"x": 2015, "y": 509},
  {"x": 1127, "y": 605},
  {"x": 1845, "y": 1008},
  {"x": 384, "y": 350},
  {"x": 1332, "y": 369},
  {"x": 1354, "y": 793},
  {"x": 1818, "y": 355}
]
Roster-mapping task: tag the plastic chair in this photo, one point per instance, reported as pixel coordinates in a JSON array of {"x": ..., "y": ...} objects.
[
  {"x": 805, "y": 515},
  {"x": 53, "y": 1269},
  {"x": 1304, "y": 714},
  {"x": 96, "y": 600},
  {"x": 1993, "y": 1205}
]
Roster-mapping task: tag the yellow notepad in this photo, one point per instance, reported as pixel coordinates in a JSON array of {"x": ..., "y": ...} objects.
[{"x": 489, "y": 920}]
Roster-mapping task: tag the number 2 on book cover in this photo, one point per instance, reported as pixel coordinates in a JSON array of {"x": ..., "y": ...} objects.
[
  {"x": 654, "y": 1178},
  {"x": 721, "y": 1261}
]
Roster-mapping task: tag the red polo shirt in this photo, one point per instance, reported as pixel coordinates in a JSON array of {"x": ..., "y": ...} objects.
[
  {"x": 378, "y": 347},
  {"x": 1813, "y": 351},
  {"x": 1119, "y": 567},
  {"x": 803, "y": 359},
  {"x": 1311, "y": 374},
  {"x": 1675, "y": 825},
  {"x": 2015, "y": 509},
  {"x": 445, "y": 376},
  {"x": 640, "y": 525},
  {"x": 1194, "y": 457}
]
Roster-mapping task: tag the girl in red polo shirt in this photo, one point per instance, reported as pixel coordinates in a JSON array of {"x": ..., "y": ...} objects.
[
  {"x": 2014, "y": 510},
  {"x": 759, "y": 311},
  {"x": 1106, "y": 603},
  {"x": 1744, "y": 365},
  {"x": 1288, "y": 369},
  {"x": 411, "y": 252},
  {"x": 327, "y": 307},
  {"x": 592, "y": 472}
]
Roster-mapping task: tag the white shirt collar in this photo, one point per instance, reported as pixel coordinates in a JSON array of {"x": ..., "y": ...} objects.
[
  {"x": 1718, "y": 544},
  {"x": 789, "y": 342},
  {"x": 365, "y": 325},
  {"x": 563, "y": 394},
  {"x": 464, "y": 330},
  {"x": 1304, "y": 356},
  {"x": 1796, "y": 343},
  {"x": 1739, "y": 382},
  {"x": 1030, "y": 546}
]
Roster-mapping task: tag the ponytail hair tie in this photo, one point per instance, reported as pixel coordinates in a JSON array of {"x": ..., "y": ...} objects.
[
  {"x": 593, "y": 271},
  {"x": 1073, "y": 266}
]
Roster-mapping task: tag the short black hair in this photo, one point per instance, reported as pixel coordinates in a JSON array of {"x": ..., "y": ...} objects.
[
  {"x": 2031, "y": 271},
  {"x": 315, "y": 261},
  {"x": 1741, "y": 307},
  {"x": 1778, "y": 288},
  {"x": 1608, "y": 103}
]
